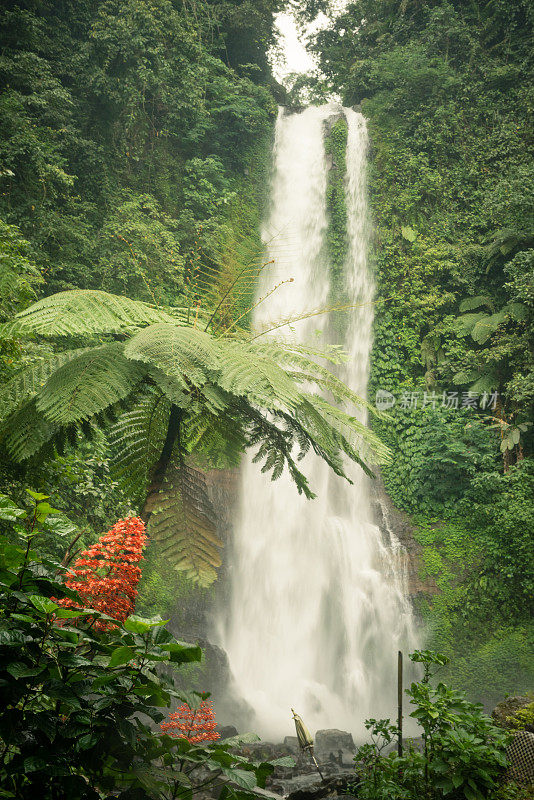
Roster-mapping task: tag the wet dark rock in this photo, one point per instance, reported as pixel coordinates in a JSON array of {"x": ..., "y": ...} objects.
[
  {"x": 335, "y": 747},
  {"x": 293, "y": 743},
  {"x": 389, "y": 518},
  {"x": 226, "y": 731},
  {"x": 332, "y": 739},
  {"x": 338, "y": 786}
]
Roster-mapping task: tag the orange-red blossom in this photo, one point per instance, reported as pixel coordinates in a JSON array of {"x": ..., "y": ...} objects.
[
  {"x": 106, "y": 575},
  {"x": 195, "y": 724}
]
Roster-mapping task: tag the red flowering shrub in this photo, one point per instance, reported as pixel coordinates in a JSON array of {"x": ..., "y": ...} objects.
[
  {"x": 106, "y": 575},
  {"x": 195, "y": 724}
]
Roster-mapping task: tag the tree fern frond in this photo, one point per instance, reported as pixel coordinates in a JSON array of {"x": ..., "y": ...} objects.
[
  {"x": 27, "y": 383},
  {"x": 174, "y": 389},
  {"x": 216, "y": 439},
  {"x": 465, "y": 324},
  {"x": 300, "y": 364},
  {"x": 136, "y": 440},
  {"x": 186, "y": 354},
  {"x": 472, "y": 303},
  {"x": 82, "y": 312},
  {"x": 88, "y": 384},
  {"x": 25, "y": 432},
  {"x": 182, "y": 522},
  {"x": 325, "y": 423},
  {"x": 247, "y": 373},
  {"x": 265, "y": 433}
]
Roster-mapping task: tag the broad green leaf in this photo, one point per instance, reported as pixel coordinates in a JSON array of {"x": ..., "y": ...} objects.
[
  {"x": 182, "y": 653},
  {"x": 37, "y": 496},
  {"x": 69, "y": 613},
  {"x": 240, "y": 776},
  {"x": 42, "y": 510},
  {"x": 61, "y": 526},
  {"x": 9, "y": 510},
  {"x": 43, "y": 604},
  {"x": 284, "y": 761},
  {"x": 122, "y": 655},
  {"x": 136, "y": 624},
  {"x": 10, "y": 555},
  {"x": 20, "y": 670},
  {"x": 408, "y": 233},
  {"x": 241, "y": 738}
]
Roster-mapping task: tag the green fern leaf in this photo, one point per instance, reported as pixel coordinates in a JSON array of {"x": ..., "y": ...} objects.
[
  {"x": 188, "y": 355},
  {"x": 472, "y": 303},
  {"x": 464, "y": 325},
  {"x": 88, "y": 384},
  {"x": 25, "y": 432},
  {"x": 80, "y": 312},
  {"x": 182, "y": 523},
  {"x": 27, "y": 383},
  {"x": 246, "y": 372},
  {"x": 136, "y": 440},
  {"x": 487, "y": 326}
]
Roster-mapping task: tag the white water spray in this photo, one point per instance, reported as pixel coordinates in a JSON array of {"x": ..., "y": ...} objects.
[{"x": 318, "y": 605}]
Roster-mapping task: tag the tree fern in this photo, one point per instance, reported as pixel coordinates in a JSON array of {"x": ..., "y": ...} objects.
[
  {"x": 82, "y": 312},
  {"x": 188, "y": 394},
  {"x": 84, "y": 386},
  {"x": 183, "y": 524}
]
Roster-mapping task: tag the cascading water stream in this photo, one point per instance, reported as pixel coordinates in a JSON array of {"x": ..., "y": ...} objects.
[{"x": 318, "y": 605}]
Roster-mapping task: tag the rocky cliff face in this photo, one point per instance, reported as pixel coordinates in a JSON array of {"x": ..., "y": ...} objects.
[{"x": 391, "y": 519}]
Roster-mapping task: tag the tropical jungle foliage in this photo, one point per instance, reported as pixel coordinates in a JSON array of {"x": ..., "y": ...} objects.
[
  {"x": 134, "y": 163},
  {"x": 463, "y": 754},
  {"x": 181, "y": 391}
]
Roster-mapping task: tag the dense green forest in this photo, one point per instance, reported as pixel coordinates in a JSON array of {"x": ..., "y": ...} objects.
[{"x": 135, "y": 142}]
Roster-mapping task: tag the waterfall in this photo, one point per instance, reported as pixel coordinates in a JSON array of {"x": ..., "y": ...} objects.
[{"x": 318, "y": 605}]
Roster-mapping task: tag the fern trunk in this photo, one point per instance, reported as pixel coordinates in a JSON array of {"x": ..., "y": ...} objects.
[{"x": 160, "y": 468}]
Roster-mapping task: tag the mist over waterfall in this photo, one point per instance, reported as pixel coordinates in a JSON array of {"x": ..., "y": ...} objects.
[{"x": 318, "y": 604}]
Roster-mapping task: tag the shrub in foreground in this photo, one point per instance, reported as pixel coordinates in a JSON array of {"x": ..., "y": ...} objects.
[
  {"x": 463, "y": 755},
  {"x": 80, "y": 695}
]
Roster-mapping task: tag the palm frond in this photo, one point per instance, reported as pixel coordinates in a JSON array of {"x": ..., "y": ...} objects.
[{"x": 88, "y": 384}]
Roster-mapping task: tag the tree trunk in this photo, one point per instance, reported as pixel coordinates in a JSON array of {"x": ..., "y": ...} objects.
[{"x": 160, "y": 468}]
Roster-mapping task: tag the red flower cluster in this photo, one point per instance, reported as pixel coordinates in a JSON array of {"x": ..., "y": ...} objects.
[
  {"x": 195, "y": 724},
  {"x": 106, "y": 575}
]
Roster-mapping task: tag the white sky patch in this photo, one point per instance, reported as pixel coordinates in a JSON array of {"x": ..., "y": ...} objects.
[{"x": 291, "y": 54}]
